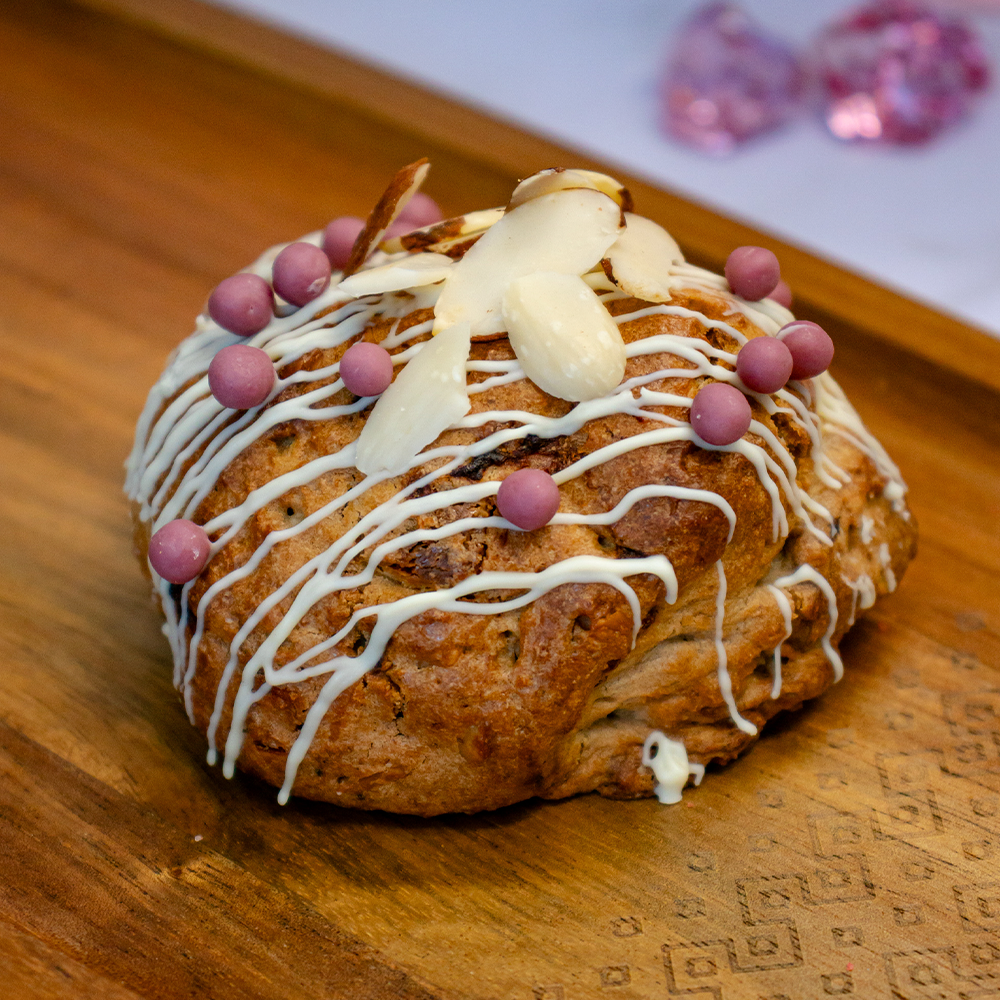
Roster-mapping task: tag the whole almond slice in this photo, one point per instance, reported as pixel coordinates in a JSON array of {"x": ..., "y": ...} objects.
[
  {"x": 425, "y": 398},
  {"x": 564, "y": 338},
  {"x": 401, "y": 189},
  {"x": 445, "y": 233},
  {"x": 567, "y": 232},
  {"x": 408, "y": 272},
  {"x": 565, "y": 179},
  {"x": 642, "y": 260}
]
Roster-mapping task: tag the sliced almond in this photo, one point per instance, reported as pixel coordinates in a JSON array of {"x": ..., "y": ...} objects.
[
  {"x": 457, "y": 249},
  {"x": 563, "y": 179},
  {"x": 567, "y": 232},
  {"x": 564, "y": 338},
  {"x": 425, "y": 398},
  {"x": 400, "y": 190},
  {"x": 407, "y": 272},
  {"x": 445, "y": 233},
  {"x": 642, "y": 259}
]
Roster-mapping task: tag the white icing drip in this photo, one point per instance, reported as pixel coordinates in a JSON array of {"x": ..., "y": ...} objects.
[
  {"x": 806, "y": 574},
  {"x": 167, "y": 441},
  {"x": 839, "y": 417},
  {"x": 867, "y": 529},
  {"x": 785, "y": 607},
  {"x": 767, "y": 314},
  {"x": 712, "y": 324},
  {"x": 346, "y": 670},
  {"x": 669, "y": 763},
  {"x": 886, "y": 559},
  {"x": 856, "y": 588},
  {"x": 865, "y": 590},
  {"x": 644, "y": 493},
  {"x": 725, "y": 682}
]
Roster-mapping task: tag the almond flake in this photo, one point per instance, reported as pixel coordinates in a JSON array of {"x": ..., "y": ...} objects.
[
  {"x": 425, "y": 398},
  {"x": 563, "y": 179},
  {"x": 407, "y": 272},
  {"x": 567, "y": 232},
  {"x": 401, "y": 189},
  {"x": 563, "y": 336},
  {"x": 642, "y": 260},
  {"x": 441, "y": 236}
]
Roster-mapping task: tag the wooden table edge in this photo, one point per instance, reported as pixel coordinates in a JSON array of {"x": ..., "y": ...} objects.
[{"x": 823, "y": 290}]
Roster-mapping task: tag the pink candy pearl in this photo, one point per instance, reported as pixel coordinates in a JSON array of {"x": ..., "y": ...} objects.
[
  {"x": 421, "y": 210},
  {"x": 366, "y": 369},
  {"x": 179, "y": 550},
  {"x": 720, "y": 413},
  {"x": 399, "y": 228},
  {"x": 528, "y": 498},
  {"x": 752, "y": 272},
  {"x": 811, "y": 347},
  {"x": 242, "y": 304},
  {"x": 241, "y": 376},
  {"x": 782, "y": 294},
  {"x": 339, "y": 237},
  {"x": 300, "y": 273},
  {"x": 764, "y": 364}
]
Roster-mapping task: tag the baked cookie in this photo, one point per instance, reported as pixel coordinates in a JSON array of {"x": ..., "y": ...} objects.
[{"x": 507, "y": 507}]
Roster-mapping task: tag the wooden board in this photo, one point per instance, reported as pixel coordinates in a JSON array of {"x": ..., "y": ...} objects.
[{"x": 855, "y": 851}]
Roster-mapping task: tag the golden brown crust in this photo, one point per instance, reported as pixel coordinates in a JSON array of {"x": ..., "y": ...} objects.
[{"x": 476, "y": 711}]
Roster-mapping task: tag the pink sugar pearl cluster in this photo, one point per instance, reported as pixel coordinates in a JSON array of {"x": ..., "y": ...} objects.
[
  {"x": 720, "y": 413},
  {"x": 241, "y": 376},
  {"x": 244, "y": 303},
  {"x": 339, "y": 236}
]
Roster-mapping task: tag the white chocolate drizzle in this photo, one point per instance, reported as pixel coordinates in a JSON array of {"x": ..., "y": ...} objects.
[
  {"x": 806, "y": 574},
  {"x": 171, "y": 432},
  {"x": 886, "y": 560},
  {"x": 668, "y": 760},
  {"x": 725, "y": 682},
  {"x": 785, "y": 607},
  {"x": 867, "y": 529}
]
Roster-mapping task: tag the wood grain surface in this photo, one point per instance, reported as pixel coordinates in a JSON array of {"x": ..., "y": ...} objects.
[{"x": 854, "y": 851}]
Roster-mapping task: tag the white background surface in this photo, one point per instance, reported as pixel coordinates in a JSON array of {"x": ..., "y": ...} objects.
[{"x": 585, "y": 72}]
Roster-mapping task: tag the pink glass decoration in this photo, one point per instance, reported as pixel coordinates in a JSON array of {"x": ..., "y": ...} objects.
[
  {"x": 895, "y": 72},
  {"x": 728, "y": 82}
]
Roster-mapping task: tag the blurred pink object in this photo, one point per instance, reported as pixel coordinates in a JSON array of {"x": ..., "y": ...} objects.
[
  {"x": 975, "y": 6},
  {"x": 895, "y": 72},
  {"x": 728, "y": 82}
]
